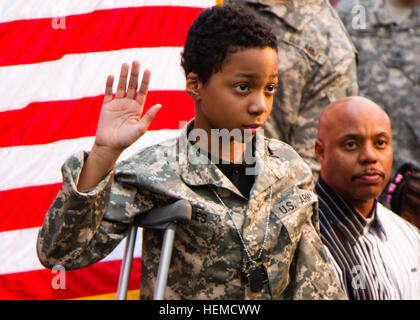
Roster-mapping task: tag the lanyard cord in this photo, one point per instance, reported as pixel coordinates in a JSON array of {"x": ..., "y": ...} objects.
[{"x": 239, "y": 233}]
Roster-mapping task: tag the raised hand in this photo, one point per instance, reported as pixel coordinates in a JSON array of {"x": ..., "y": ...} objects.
[{"x": 120, "y": 124}]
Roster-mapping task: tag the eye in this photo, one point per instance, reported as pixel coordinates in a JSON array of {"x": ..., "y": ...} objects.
[
  {"x": 270, "y": 88},
  {"x": 242, "y": 88},
  {"x": 381, "y": 143},
  {"x": 350, "y": 145}
]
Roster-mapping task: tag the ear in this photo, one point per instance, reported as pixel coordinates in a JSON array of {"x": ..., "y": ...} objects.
[
  {"x": 193, "y": 86},
  {"x": 319, "y": 150}
]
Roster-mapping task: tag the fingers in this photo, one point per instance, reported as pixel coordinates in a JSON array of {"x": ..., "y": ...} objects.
[
  {"x": 134, "y": 80},
  {"x": 148, "y": 117},
  {"x": 108, "y": 89},
  {"x": 122, "y": 82},
  {"x": 130, "y": 91},
  {"x": 144, "y": 87}
]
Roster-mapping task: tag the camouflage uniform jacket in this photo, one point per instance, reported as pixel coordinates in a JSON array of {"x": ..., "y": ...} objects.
[
  {"x": 389, "y": 69},
  {"x": 82, "y": 228},
  {"x": 317, "y": 65}
]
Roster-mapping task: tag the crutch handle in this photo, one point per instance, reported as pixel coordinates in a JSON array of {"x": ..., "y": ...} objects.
[{"x": 159, "y": 218}]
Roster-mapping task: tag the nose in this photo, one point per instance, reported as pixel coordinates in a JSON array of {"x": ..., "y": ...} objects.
[
  {"x": 259, "y": 104},
  {"x": 368, "y": 153}
]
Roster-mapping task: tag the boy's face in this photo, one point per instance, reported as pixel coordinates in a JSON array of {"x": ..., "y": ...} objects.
[{"x": 241, "y": 94}]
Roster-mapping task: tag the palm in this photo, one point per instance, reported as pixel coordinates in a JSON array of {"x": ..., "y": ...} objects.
[{"x": 119, "y": 123}]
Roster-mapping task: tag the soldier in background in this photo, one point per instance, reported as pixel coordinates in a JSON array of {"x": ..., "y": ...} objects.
[
  {"x": 386, "y": 34},
  {"x": 317, "y": 65}
]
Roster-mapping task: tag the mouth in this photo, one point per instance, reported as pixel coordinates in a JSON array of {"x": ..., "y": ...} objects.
[
  {"x": 253, "y": 126},
  {"x": 369, "y": 176}
]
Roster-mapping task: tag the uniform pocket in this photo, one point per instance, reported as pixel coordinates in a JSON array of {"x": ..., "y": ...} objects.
[
  {"x": 291, "y": 210},
  {"x": 199, "y": 234}
]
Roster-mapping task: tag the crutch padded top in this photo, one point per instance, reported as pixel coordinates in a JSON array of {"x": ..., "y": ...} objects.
[{"x": 161, "y": 217}]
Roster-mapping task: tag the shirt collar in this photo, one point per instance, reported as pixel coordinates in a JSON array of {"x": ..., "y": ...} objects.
[
  {"x": 197, "y": 170},
  {"x": 295, "y": 13},
  {"x": 374, "y": 225},
  {"x": 347, "y": 215}
]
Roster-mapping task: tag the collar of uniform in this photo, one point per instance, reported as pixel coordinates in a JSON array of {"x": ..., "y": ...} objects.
[
  {"x": 197, "y": 170},
  {"x": 295, "y": 13}
]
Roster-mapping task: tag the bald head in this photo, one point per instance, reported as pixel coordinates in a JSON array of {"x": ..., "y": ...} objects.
[
  {"x": 349, "y": 109},
  {"x": 354, "y": 147}
]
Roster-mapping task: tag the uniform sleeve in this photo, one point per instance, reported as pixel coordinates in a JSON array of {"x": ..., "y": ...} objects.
[
  {"x": 81, "y": 228},
  {"x": 335, "y": 79},
  {"x": 312, "y": 73},
  {"x": 312, "y": 273}
]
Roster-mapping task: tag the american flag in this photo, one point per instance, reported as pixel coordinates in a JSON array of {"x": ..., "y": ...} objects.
[{"x": 55, "y": 56}]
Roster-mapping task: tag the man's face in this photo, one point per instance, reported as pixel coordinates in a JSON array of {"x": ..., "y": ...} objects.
[
  {"x": 241, "y": 94},
  {"x": 356, "y": 157}
]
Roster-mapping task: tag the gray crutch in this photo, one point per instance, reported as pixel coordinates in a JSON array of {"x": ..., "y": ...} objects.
[{"x": 159, "y": 218}]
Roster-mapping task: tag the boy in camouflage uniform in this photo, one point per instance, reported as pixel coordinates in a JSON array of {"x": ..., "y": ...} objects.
[{"x": 260, "y": 213}]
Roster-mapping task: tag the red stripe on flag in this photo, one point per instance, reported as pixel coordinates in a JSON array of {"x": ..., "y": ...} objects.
[
  {"x": 26, "y": 207},
  {"x": 99, "y": 278},
  {"x": 46, "y": 122},
  {"x": 32, "y": 41}
]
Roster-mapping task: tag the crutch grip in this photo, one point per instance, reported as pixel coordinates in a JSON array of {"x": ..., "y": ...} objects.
[{"x": 158, "y": 218}]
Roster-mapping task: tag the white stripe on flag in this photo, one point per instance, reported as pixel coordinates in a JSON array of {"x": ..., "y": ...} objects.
[
  {"x": 78, "y": 76},
  {"x": 35, "y": 9},
  {"x": 41, "y": 164},
  {"x": 26, "y": 259}
]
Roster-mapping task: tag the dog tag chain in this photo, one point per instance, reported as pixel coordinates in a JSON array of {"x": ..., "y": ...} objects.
[{"x": 254, "y": 268}]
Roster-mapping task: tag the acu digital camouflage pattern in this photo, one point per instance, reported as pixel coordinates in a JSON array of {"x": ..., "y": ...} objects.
[
  {"x": 317, "y": 65},
  {"x": 82, "y": 228},
  {"x": 389, "y": 69}
]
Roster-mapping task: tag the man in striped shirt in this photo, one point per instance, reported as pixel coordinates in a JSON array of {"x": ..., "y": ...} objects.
[{"x": 376, "y": 253}]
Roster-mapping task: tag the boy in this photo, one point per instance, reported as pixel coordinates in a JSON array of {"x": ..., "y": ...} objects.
[{"x": 251, "y": 198}]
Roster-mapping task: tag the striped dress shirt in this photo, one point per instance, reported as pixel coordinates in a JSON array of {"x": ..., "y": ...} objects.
[{"x": 376, "y": 258}]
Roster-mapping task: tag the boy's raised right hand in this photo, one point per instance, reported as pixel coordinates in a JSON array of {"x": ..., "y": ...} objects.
[{"x": 119, "y": 125}]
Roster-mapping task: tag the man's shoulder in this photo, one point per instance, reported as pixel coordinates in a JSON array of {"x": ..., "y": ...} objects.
[{"x": 390, "y": 219}]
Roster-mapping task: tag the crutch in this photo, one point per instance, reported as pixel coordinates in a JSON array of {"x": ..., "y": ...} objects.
[{"x": 159, "y": 218}]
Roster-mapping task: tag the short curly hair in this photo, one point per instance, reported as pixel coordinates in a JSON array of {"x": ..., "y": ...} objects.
[{"x": 220, "y": 31}]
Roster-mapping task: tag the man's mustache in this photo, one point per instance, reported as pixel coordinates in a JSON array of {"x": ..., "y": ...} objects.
[{"x": 368, "y": 172}]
